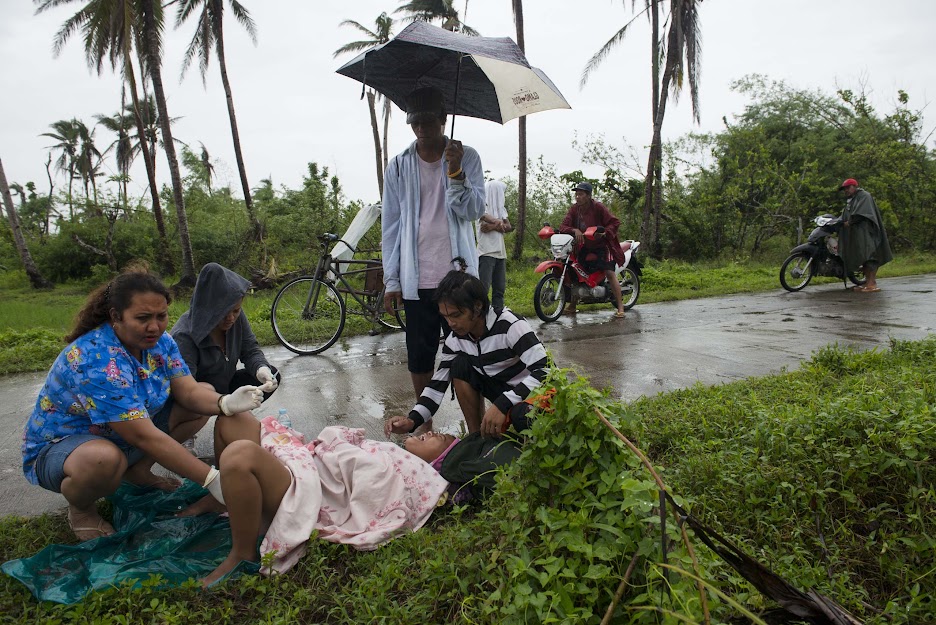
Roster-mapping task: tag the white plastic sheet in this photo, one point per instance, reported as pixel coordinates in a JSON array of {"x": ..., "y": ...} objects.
[{"x": 362, "y": 222}]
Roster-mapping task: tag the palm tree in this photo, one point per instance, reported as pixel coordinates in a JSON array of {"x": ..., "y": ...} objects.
[
  {"x": 442, "y": 10},
  {"x": 209, "y": 33},
  {"x": 112, "y": 30},
  {"x": 380, "y": 35},
  {"x": 122, "y": 146},
  {"x": 152, "y": 26},
  {"x": 517, "y": 6},
  {"x": 35, "y": 278},
  {"x": 66, "y": 133},
  {"x": 206, "y": 163},
  {"x": 682, "y": 49},
  {"x": 89, "y": 159}
]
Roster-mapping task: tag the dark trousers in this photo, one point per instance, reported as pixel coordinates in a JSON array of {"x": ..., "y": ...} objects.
[
  {"x": 493, "y": 273},
  {"x": 489, "y": 388}
]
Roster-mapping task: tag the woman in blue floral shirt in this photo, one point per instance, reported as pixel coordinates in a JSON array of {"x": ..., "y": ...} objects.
[{"x": 120, "y": 398}]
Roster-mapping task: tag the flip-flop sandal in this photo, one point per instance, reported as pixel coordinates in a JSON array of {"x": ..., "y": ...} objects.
[
  {"x": 873, "y": 289},
  {"x": 90, "y": 532},
  {"x": 618, "y": 315}
]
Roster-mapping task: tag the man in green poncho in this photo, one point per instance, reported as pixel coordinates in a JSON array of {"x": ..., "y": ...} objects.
[{"x": 864, "y": 241}]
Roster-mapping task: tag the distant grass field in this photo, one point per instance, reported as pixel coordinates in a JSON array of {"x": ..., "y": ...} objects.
[{"x": 32, "y": 323}]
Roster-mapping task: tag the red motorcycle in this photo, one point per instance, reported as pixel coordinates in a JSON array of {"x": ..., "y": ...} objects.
[{"x": 566, "y": 277}]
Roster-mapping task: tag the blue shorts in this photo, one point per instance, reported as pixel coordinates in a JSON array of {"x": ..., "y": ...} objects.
[{"x": 50, "y": 463}]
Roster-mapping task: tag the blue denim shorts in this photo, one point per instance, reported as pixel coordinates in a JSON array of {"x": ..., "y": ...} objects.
[{"x": 50, "y": 463}]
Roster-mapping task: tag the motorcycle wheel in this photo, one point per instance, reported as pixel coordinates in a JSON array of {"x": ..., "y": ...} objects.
[
  {"x": 796, "y": 272},
  {"x": 549, "y": 298},
  {"x": 630, "y": 288}
]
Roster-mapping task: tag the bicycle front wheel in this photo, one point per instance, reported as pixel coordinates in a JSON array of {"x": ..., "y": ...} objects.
[{"x": 308, "y": 315}]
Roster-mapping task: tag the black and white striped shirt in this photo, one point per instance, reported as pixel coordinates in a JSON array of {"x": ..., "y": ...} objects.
[{"x": 509, "y": 352}]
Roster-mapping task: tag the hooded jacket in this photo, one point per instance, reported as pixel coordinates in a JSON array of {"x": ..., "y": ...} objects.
[{"x": 216, "y": 292}]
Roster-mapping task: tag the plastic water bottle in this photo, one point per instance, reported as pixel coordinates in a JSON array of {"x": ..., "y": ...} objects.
[{"x": 283, "y": 418}]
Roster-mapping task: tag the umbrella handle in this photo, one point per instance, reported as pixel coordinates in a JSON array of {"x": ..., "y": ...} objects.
[{"x": 455, "y": 102}]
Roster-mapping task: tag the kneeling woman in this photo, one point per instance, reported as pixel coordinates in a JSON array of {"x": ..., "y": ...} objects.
[{"x": 118, "y": 399}]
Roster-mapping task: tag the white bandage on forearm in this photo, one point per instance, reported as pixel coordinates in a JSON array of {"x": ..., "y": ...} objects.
[{"x": 213, "y": 484}]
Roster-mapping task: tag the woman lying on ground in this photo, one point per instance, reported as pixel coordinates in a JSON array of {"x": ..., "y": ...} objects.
[
  {"x": 346, "y": 488},
  {"x": 118, "y": 399}
]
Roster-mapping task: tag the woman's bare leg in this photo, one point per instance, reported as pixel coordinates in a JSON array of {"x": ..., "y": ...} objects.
[
  {"x": 238, "y": 427},
  {"x": 93, "y": 470},
  {"x": 254, "y": 482},
  {"x": 242, "y": 426}
]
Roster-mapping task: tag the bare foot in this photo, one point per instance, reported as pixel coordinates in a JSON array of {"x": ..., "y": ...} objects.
[
  {"x": 148, "y": 479},
  {"x": 229, "y": 564},
  {"x": 205, "y": 505},
  {"x": 88, "y": 524}
]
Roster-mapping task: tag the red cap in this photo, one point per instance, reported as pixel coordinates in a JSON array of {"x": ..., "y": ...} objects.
[{"x": 851, "y": 182}]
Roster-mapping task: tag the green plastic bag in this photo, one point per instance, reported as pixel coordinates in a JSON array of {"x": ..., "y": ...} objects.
[{"x": 149, "y": 541}]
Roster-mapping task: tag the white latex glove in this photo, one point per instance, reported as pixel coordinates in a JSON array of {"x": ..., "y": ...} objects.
[
  {"x": 243, "y": 399},
  {"x": 268, "y": 383},
  {"x": 213, "y": 484}
]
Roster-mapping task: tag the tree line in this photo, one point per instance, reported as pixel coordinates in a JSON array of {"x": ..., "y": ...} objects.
[{"x": 745, "y": 189}]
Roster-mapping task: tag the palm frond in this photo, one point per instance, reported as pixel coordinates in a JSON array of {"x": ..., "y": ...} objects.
[{"x": 602, "y": 53}]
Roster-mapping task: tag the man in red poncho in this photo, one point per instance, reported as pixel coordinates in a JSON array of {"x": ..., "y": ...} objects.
[{"x": 600, "y": 253}]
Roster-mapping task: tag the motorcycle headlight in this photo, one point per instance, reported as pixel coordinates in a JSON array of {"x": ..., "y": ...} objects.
[{"x": 560, "y": 249}]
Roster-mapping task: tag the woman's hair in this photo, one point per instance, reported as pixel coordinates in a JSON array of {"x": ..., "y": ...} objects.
[
  {"x": 116, "y": 294},
  {"x": 462, "y": 290}
]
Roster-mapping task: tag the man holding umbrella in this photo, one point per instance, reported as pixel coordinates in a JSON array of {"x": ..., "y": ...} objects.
[{"x": 433, "y": 194}]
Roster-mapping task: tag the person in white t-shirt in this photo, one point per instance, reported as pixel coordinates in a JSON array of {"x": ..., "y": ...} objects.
[
  {"x": 492, "y": 253},
  {"x": 433, "y": 194}
]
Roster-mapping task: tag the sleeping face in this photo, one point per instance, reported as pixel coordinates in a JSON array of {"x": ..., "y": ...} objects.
[{"x": 428, "y": 446}]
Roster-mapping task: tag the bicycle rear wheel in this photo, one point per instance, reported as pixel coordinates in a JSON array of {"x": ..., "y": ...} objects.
[
  {"x": 308, "y": 315},
  {"x": 396, "y": 322}
]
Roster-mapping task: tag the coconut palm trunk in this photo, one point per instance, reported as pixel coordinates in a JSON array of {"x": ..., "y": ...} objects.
[
  {"x": 378, "y": 154},
  {"x": 35, "y": 278},
  {"x": 652, "y": 190},
  {"x": 651, "y": 179},
  {"x": 151, "y": 34},
  {"x": 386, "y": 129},
  {"x": 522, "y": 147},
  {"x": 235, "y": 135},
  {"x": 166, "y": 258}
]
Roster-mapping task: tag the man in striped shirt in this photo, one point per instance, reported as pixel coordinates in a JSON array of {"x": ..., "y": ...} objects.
[{"x": 490, "y": 354}]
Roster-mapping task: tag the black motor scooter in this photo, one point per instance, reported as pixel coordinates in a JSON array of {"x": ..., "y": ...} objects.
[{"x": 819, "y": 256}]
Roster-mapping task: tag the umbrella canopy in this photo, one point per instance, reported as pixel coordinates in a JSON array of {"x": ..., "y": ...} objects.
[{"x": 493, "y": 79}]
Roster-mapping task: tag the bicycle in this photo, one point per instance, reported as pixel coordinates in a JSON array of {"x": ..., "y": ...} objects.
[{"x": 309, "y": 312}]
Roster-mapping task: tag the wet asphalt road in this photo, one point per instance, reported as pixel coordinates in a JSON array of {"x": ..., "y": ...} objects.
[{"x": 656, "y": 348}]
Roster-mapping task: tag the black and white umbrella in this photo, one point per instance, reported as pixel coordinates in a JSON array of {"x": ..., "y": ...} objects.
[{"x": 483, "y": 77}]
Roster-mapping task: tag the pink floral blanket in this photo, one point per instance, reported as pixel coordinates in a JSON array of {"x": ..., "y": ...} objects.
[{"x": 352, "y": 490}]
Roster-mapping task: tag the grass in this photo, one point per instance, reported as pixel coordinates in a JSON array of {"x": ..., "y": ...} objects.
[
  {"x": 824, "y": 474},
  {"x": 32, "y": 323}
]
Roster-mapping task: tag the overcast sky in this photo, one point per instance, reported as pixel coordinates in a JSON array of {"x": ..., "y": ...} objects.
[{"x": 293, "y": 108}]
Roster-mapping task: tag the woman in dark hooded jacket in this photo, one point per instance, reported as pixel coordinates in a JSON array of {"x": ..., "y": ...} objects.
[{"x": 214, "y": 335}]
